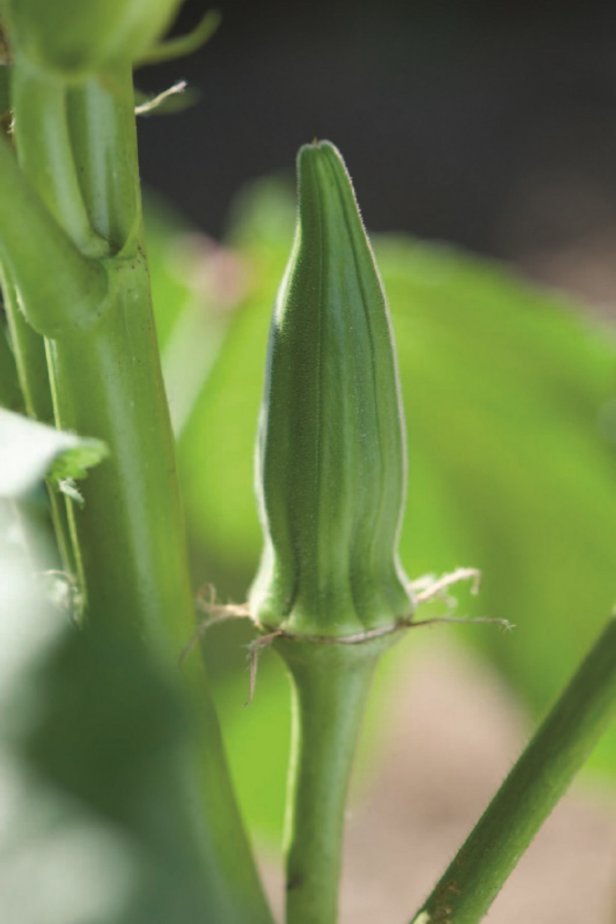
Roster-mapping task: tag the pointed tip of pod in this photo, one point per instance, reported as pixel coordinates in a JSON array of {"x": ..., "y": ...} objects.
[
  {"x": 317, "y": 145},
  {"x": 326, "y": 193},
  {"x": 318, "y": 152}
]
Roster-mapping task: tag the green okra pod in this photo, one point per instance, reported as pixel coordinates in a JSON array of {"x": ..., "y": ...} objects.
[{"x": 331, "y": 456}]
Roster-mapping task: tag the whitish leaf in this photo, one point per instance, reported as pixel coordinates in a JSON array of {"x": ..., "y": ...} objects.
[{"x": 30, "y": 451}]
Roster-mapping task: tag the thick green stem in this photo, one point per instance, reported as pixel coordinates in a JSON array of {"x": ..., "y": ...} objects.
[
  {"x": 129, "y": 536},
  {"x": 530, "y": 792},
  {"x": 107, "y": 384},
  {"x": 330, "y": 684}
]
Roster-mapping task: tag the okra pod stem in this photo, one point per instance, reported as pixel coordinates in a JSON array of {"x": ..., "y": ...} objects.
[
  {"x": 330, "y": 686},
  {"x": 129, "y": 539}
]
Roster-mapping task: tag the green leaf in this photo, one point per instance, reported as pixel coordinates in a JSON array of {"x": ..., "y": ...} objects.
[
  {"x": 506, "y": 391},
  {"x": 74, "y": 463},
  {"x": 31, "y": 451}
]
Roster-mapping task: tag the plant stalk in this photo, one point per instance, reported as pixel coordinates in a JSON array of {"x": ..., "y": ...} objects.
[
  {"x": 531, "y": 790},
  {"x": 129, "y": 538},
  {"x": 330, "y": 683}
]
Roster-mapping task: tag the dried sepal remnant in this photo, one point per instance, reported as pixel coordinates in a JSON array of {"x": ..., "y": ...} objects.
[{"x": 331, "y": 454}]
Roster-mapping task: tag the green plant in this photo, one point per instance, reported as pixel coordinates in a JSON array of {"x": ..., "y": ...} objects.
[{"x": 116, "y": 734}]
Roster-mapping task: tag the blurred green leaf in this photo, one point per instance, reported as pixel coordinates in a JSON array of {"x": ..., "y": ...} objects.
[
  {"x": 105, "y": 745},
  {"x": 506, "y": 391},
  {"x": 172, "y": 291},
  {"x": 257, "y": 734},
  {"x": 95, "y": 805},
  {"x": 510, "y": 397}
]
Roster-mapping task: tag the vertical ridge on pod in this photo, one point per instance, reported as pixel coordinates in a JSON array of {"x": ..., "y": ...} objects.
[{"x": 331, "y": 458}]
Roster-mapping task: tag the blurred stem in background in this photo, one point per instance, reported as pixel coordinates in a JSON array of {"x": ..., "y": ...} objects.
[{"x": 539, "y": 778}]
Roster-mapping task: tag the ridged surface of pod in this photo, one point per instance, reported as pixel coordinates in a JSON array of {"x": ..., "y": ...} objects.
[{"x": 331, "y": 467}]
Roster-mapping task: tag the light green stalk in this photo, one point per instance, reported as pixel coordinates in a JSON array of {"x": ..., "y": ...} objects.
[
  {"x": 533, "y": 787},
  {"x": 330, "y": 686},
  {"x": 106, "y": 379}
]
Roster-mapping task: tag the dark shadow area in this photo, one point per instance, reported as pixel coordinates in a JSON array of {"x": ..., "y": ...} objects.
[{"x": 492, "y": 127}]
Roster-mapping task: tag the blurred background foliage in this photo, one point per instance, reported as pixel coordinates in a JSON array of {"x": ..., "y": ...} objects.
[
  {"x": 92, "y": 731},
  {"x": 492, "y": 129},
  {"x": 510, "y": 397}
]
